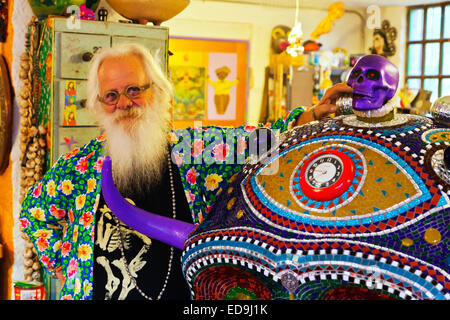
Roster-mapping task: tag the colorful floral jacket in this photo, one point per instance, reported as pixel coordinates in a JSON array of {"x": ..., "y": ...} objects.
[{"x": 58, "y": 214}]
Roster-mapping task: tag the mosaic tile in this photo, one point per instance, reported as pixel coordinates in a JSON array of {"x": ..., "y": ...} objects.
[{"x": 369, "y": 242}]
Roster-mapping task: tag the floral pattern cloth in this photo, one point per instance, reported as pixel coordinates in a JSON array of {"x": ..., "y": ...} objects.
[{"x": 58, "y": 213}]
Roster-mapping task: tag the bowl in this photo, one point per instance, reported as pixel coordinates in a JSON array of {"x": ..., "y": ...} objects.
[{"x": 143, "y": 11}]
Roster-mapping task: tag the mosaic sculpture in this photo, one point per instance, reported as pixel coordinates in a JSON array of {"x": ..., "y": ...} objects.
[{"x": 351, "y": 207}]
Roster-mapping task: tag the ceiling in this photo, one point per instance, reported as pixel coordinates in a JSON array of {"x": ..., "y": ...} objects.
[{"x": 326, "y": 3}]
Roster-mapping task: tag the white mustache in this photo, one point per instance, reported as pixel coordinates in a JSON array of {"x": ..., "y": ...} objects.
[
  {"x": 136, "y": 140},
  {"x": 133, "y": 113}
]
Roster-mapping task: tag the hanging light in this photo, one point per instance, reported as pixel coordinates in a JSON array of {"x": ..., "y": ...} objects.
[{"x": 295, "y": 47}]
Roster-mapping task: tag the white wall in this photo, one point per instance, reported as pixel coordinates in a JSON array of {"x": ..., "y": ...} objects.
[
  {"x": 254, "y": 23},
  {"x": 21, "y": 16},
  {"x": 396, "y": 15}
]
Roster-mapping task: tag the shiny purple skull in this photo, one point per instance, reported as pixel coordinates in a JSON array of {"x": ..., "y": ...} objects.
[{"x": 374, "y": 80}]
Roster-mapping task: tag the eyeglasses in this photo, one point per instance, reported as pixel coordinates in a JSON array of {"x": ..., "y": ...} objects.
[{"x": 131, "y": 92}]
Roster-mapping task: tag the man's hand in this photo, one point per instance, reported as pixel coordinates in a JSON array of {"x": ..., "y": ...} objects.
[{"x": 326, "y": 105}]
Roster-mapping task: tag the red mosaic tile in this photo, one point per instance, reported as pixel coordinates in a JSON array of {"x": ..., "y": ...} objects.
[
  {"x": 410, "y": 215},
  {"x": 391, "y": 223},
  {"x": 344, "y": 230},
  {"x": 353, "y": 229},
  {"x": 362, "y": 229},
  {"x": 318, "y": 230}
]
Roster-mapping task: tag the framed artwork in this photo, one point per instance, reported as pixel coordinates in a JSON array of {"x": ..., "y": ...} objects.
[
  {"x": 72, "y": 95},
  {"x": 209, "y": 77},
  {"x": 70, "y": 100},
  {"x": 5, "y": 115}
]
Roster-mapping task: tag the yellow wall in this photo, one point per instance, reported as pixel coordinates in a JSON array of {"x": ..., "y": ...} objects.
[{"x": 6, "y": 199}]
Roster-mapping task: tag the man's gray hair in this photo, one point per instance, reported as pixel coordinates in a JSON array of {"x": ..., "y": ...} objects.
[{"x": 163, "y": 91}]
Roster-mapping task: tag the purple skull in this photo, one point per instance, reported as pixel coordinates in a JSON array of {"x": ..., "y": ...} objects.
[{"x": 374, "y": 80}]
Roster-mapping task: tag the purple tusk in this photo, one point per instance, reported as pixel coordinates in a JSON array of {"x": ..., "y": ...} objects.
[{"x": 170, "y": 231}]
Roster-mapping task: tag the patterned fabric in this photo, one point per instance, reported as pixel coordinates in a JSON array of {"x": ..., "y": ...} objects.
[{"x": 58, "y": 214}]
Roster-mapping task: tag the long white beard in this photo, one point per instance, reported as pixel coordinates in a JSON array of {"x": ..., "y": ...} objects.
[{"x": 136, "y": 141}]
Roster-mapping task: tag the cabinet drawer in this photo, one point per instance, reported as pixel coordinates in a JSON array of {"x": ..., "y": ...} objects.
[
  {"x": 157, "y": 47},
  {"x": 73, "y": 53},
  {"x": 70, "y": 101},
  {"x": 68, "y": 138}
]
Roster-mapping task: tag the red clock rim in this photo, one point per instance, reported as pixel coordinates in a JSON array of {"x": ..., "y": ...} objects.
[{"x": 337, "y": 188}]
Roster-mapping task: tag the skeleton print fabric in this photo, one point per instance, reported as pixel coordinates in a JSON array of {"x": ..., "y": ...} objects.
[
  {"x": 111, "y": 279},
  {"x": 107, "y": 244}
]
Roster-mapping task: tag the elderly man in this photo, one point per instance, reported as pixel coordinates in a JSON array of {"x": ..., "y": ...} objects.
[{"x": 78, "y": 239}]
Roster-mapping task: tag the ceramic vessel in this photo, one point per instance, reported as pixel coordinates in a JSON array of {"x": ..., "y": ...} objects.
[{"x": 144, "y": 11}]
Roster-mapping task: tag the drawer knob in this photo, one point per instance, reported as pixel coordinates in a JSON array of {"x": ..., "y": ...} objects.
[
  {"x": 83, "y": 103},
  {"x": 87, "y": 56}
]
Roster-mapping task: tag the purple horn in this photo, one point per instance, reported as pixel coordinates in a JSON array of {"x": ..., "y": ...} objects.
[{"x": 167, "y": 230}]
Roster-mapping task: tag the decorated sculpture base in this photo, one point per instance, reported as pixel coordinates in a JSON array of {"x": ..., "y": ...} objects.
[{"x": 278, "y": 232}]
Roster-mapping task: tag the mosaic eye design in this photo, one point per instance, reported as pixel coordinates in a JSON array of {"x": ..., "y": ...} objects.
[
  {"x": 436, "y": 135},
  {"x": 326, "y": 184}
]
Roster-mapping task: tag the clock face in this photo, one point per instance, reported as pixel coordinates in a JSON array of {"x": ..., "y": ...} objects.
[
  {"x": 323, "y": 171},
  {"x": 326, "y": 175}
]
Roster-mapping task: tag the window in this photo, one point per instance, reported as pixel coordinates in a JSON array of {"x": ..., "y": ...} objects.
[{"x": 428, "y": 49}]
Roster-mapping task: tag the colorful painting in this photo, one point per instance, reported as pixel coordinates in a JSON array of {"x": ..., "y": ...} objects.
[
  {"x": 70, "y": 103},
  {"x": 210, "y": 81},
  {"x": 189, "y": 86},
  {"x": 222, "y": 86}
]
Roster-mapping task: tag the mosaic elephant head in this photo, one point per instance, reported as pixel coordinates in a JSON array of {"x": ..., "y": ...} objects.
[{"x": 351, "y": 210}]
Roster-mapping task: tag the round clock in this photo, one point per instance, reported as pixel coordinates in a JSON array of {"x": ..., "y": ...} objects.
[
  {"x": 5, "y": 116},
  {"x": 326, "y": 175}
]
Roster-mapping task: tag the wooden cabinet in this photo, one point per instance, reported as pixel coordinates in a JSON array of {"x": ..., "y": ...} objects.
[
  {"x": 60, "y": 81},
  {"x": 64, "y": 54}
]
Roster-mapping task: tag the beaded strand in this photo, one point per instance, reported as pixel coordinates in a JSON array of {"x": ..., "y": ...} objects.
[{"x": 171, "y": 248}]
